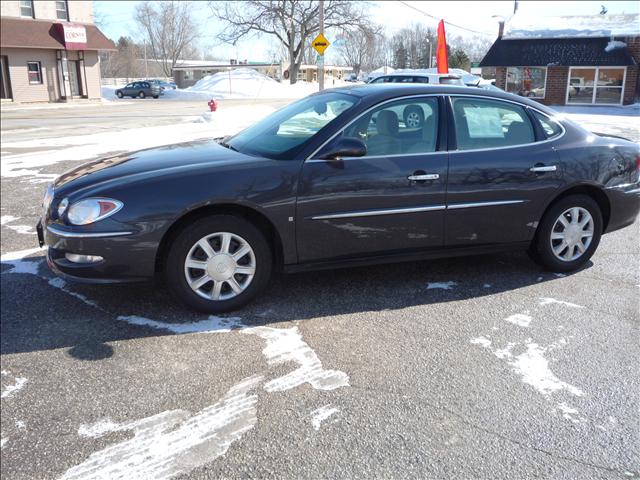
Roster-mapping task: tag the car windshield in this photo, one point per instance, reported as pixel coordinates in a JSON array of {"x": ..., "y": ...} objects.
[{"x": 280, "y": 134}]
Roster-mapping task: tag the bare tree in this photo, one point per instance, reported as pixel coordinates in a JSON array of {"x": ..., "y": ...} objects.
[
  {"x": 292, "y": 22},
  {"x": 169, "y": 29},
  {"x": 361, "y": 46}
]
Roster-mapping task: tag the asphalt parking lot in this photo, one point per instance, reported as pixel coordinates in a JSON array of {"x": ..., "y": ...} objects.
[{"x": 480, "y": 367}]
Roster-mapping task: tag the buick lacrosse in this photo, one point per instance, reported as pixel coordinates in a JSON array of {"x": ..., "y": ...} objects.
[{"x": 341, "y": 178}]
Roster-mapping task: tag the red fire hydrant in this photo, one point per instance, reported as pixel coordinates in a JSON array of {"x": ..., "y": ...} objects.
[{"x": 213, "y": 105}]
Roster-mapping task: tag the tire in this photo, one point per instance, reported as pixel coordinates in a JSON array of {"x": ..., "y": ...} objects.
[
  {"x": 155, "y": 96},
  {"x": 413, "y": 116},
  {"x": 119, "y": 94},
  {"x": 213, "y": 229},
  {"x": 573, "y": 258},
  {"x": 141, "y": 94}
]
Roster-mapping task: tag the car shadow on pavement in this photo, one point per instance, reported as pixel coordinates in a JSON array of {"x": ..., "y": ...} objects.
[{"x": 86, "y": 318}]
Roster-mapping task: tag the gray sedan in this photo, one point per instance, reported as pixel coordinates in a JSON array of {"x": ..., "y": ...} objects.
[{"x": 139, "y": 89}]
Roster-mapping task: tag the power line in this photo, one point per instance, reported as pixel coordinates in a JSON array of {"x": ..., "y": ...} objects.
[{"x": 448, "y": 23}]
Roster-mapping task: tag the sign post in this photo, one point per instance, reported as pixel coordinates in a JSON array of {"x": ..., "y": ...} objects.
[{"x": 320, "y": 43}]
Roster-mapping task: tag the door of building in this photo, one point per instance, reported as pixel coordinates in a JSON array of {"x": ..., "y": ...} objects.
[
  {"x": 74, "y": 78},
  {"x": 5, "y": 84}
]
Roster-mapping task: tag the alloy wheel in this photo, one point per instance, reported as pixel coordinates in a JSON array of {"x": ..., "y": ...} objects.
[
  {"x": 571, "y": 234},
  {"x": 413, "y": 120},
  {"x": 220, "y": 266}
]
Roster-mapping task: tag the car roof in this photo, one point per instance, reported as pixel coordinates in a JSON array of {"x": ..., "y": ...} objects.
[{"x": 384, "y": 91}]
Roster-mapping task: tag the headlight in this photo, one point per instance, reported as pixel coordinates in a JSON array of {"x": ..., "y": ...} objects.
[
  {"x": 91, "y": 210},
  {"x": 62, "y": 206}
]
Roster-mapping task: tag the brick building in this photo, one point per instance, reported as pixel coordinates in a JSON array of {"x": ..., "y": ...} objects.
[
  {"x": 577, "y": 60},
  {"x": 49, "y": 51}
]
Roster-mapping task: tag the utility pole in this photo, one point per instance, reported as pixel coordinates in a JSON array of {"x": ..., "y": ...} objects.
[
  {"x": 146, "y": 65},
  {"x": 321, "y": 58}
]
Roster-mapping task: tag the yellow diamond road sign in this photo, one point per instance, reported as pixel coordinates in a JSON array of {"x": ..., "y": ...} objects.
[{"x": 320, "y": 43}]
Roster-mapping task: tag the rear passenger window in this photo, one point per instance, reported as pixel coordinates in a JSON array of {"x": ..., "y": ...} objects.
[
  {"x": 482, "y": 123},
  {"x": 402, "y": 127},
  {"x": 550, "y": 127}
]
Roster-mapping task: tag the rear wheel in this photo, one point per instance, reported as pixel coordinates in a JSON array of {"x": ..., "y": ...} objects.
[
  {"x": 569, "y": 234},
  {"x": 218, "y": 264},
  {"x": 141, "y": 94}
]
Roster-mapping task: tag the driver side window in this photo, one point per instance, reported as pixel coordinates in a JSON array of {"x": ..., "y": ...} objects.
[{"x": 402, "y": 127}]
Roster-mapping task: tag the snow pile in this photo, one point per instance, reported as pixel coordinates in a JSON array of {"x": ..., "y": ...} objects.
[
  {"x": 241, "y": 83},
  {"x": 380, "y": 71},
  {"x": 613, "y": 44},
  {"x": 527, "y": 26}
]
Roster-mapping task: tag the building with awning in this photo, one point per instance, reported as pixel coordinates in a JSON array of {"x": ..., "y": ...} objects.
[
  {"x": 49, "y": 51},
  {"x": 572, "y": 60}
]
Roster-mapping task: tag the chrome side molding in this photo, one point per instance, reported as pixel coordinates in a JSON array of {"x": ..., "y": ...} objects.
[{"x": 66, "y": 234}]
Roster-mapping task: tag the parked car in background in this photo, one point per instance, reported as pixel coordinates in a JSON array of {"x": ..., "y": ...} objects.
[
  {"x": 417, "y": 76},
  {"x": 337, "y": 179},
  {"x": 141, "y": 89}
]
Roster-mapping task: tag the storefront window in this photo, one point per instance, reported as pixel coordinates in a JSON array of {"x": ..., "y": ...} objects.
[
  {"x": 527, "y": 81},
  {"x": 35, "y": 73},
  {"x": 583, "y": 87}
]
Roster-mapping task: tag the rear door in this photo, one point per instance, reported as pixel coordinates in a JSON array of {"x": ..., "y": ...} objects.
[
  {"x": 390, "y": 201},
  {"x": 502, "y": 170}
]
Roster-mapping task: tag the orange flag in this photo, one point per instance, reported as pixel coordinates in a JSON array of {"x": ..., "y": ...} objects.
[{"x": 441, "y": 52}]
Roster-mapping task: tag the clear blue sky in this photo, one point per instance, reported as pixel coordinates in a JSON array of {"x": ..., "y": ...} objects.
[{"x": 476, "y": 15}]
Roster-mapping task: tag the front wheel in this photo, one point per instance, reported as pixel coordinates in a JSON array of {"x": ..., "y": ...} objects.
[
  {"x": 568, "y": 234},
  {"x": 413, "y": 116},
  {"x": 218, "y": 264},
  {"x": 141, "y": 95},
  {"x": 119, "y": 94}
]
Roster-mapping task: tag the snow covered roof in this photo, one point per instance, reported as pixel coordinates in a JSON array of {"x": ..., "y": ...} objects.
[
  {"x": 542, "y": 52},
  {"x": 618, "y": 25}
]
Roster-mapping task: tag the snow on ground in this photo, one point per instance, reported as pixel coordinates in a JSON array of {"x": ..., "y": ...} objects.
[
  {"x": 615, "y": 120},
  {"x": 85, "y": 147},
  {"x": 238, "y": 83}
]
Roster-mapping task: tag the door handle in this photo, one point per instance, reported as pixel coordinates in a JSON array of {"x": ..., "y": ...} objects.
[
  {"x": 543, "y": 168},
  {"x": 423, "y": 177}
]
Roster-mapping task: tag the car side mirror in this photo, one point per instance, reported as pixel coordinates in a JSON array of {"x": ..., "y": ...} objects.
[{"x": 344, "y": 147}]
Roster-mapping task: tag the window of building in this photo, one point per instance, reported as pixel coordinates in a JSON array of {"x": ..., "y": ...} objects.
[
  {"x": 603, "y": 85},
  {"x": 35, "y": 73},
  {"x": 490, "y": 124},
  {"x": 26, "y": 8},
  {"x": 527, "y": 81},
  {"x": 62, "y": 10}
]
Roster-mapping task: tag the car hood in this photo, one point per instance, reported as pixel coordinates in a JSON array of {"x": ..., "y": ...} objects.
[{"x": 200, "y": 155}]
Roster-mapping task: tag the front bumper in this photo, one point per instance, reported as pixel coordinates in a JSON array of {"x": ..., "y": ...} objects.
[{"x": 126, "y": 256}]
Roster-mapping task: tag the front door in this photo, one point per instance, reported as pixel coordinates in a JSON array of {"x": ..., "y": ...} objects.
[
  {"x": 390, "y": 201},
  {"x": 74, "y": 78},
  {"x": 501, "y": 174}
]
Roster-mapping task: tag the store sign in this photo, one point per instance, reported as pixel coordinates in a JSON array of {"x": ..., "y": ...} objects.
[{"x": 75, "y": 36}]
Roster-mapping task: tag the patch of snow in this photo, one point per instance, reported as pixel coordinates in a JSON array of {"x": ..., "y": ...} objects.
[
  {"x": 519, "y": 319},
  {"x": 441, "y": 285},
  {"x": 11, "y": 390},
  {"x": 482, "y": 341},
  {"x": 172, "y": 442},
  {"x": 211, "y": 325},
  {"x": 101, "y": 428},
  {"x": 613, "y": 44},
  {"x": 85, "y": 147},
  {"x": 20, "y": 424},
  {"x": 321, "y": 414},
  {"x": 532, "y": 367},
  {"x": 19, "y": 264},
  {"x": 569, "y": 413},
  {"x": 4, "y": 219},
  {"x": 548, "y": 301},
  {"x": 3, "y": 442},
  {"x": 486, "y": 285},
  {"x": 285, "y": 345}
]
